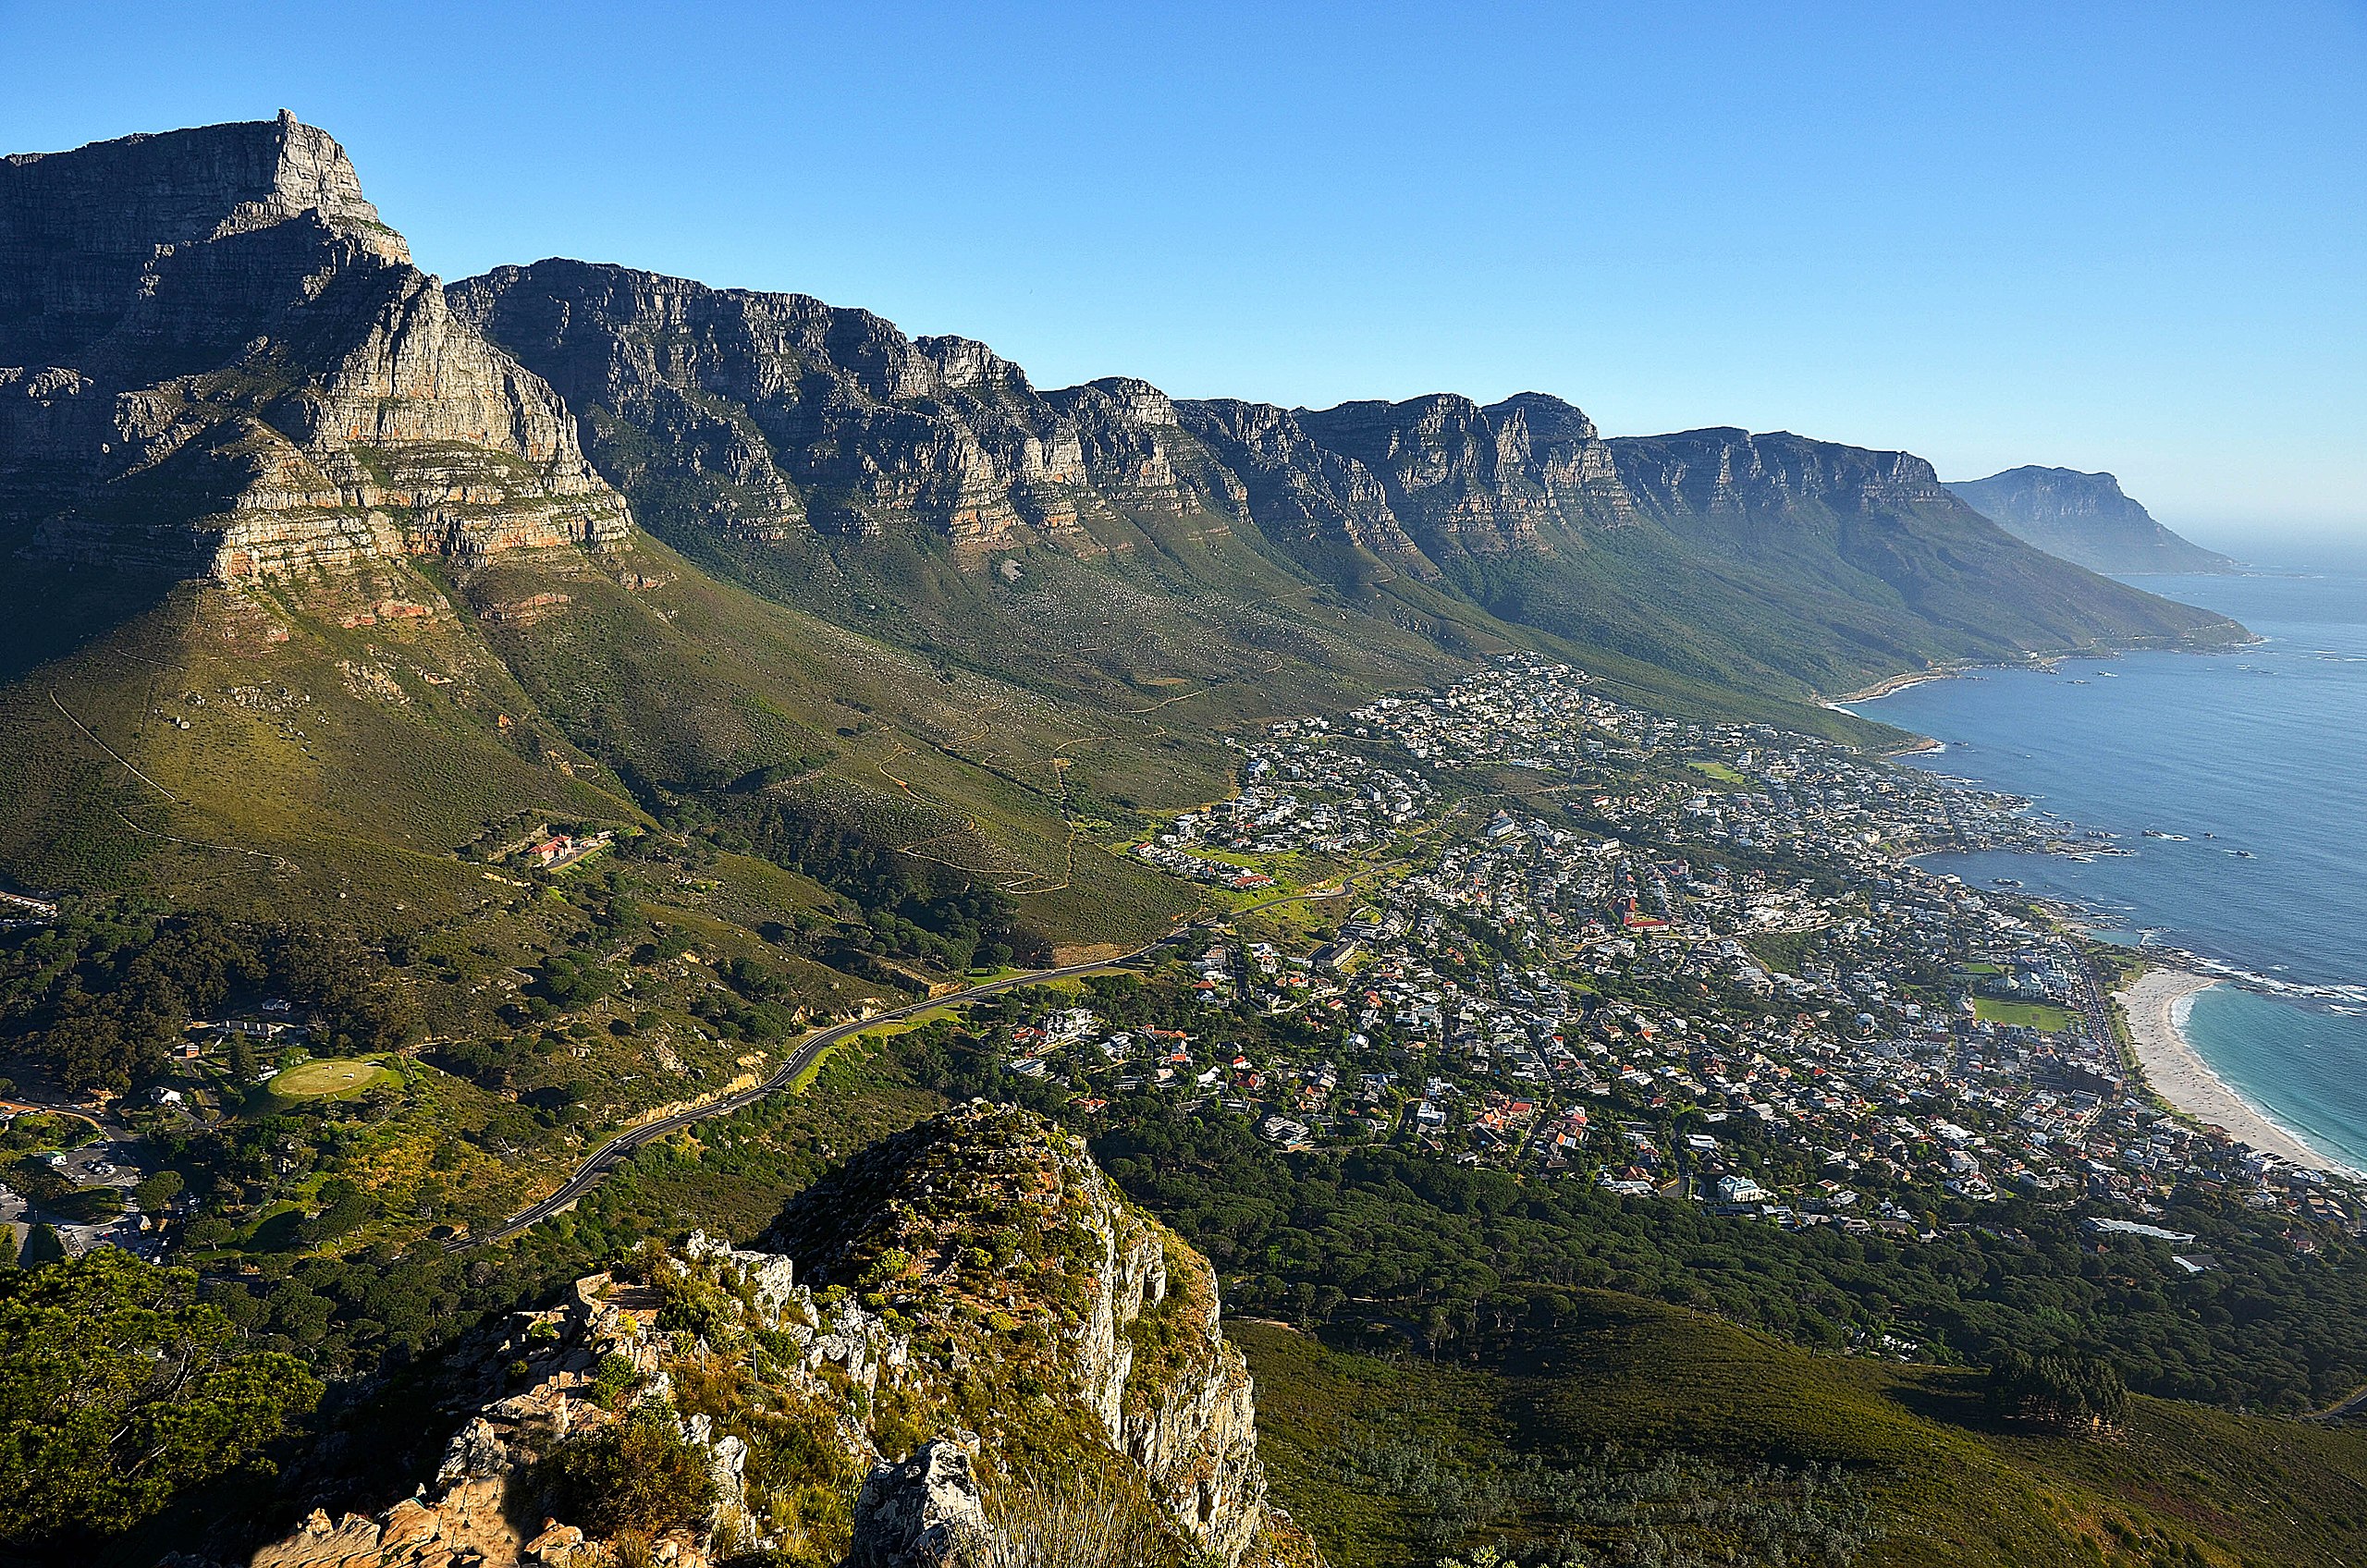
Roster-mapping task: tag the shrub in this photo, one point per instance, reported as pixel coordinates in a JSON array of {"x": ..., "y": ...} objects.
[
  {"x": 2063, "y": 1390},
  {"x": 1078, "y": 1524},
  {"x": 638, "y": 1477}
]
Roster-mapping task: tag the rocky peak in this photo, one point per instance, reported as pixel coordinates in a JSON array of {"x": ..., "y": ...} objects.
[
  {"x": 215, "y": 357},
  {"x": 84, "y": 234},
  {"x": 2084, "y": 517},
  {"x": 964, "y": 1317}
]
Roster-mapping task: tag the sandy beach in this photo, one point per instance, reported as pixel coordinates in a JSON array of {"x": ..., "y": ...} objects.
[{"x": 2183, "y": 1078}]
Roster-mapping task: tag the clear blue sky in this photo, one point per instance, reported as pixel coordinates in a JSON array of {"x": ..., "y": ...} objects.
[{"x": 2110, "y": 237}]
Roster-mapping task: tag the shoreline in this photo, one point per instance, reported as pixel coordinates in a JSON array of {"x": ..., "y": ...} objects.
[
  {"x": 2156, "y": 1005},
  {"x": 1889, "y": 686}
]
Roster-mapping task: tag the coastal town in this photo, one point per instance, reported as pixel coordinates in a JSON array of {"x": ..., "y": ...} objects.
[
  {"x": 1691, "y": 961},
  {"x": 1565, "y": 938}
]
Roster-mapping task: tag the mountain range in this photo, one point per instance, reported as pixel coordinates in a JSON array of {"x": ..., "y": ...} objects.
[
  {"x": 641, "y": 541},
  {"x": 662, "y": 749},
  {"x": 2084, "y": 517}
]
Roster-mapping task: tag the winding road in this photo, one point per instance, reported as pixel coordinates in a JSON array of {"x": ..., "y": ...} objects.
[{"x": 609, "y": 1155}]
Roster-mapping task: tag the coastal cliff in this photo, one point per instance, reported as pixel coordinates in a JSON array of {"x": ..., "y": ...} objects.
[
  {"x": 215, "y": 356},
  {"x": 2086, "y": 518},
  {"x": 963, "y": 1329}
]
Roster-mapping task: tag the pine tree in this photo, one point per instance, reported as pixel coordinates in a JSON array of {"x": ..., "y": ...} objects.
[{"x": 42, "y": 1245}]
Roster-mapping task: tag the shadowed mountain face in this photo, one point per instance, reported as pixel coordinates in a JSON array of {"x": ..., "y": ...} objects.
[
  {"x": 2084, "y": 517},
  {"x": 214, "y": 357},
  {"x": 1772, "y": 562}
]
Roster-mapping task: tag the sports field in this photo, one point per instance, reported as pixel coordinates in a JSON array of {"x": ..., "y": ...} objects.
[{"x": 311, "y": 1079}]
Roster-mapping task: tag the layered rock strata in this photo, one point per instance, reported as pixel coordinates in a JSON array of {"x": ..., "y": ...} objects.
[
  {"x": 214, "y": 355},
  {"x": 775, "y": 412}
]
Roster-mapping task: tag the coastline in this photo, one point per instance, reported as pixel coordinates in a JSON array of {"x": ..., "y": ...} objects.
[
  {"x": 1890, "y": 686},
  {"x": 2156, "y": 1006}
]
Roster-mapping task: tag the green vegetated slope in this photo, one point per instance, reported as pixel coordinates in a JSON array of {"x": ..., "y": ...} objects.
[
  {"x": 284, "y": 760},
  {"x": 1637, "y": 1425},
  {"x": 1103, "y": 543},
  {"x": 291, "y": 743},
  {"x": 1203, "y": 622}
]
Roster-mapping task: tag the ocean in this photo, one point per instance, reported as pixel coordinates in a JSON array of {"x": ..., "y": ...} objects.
[{"x": 2257, "y": 760}]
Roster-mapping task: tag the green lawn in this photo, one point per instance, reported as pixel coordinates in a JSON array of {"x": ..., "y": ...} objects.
[
  {"x": 316, "y": 1079},
  {"x": 2043, "y": 1016},
  {"x": 1718, "y": 771}
]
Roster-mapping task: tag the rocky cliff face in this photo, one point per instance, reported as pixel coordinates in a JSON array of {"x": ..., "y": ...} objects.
[
  {"x": 213, "y": 355},
  {"x": 772, "y": 415},
  {"x": 1728, "y": 473},
  {"x": 778, "y": 412},
  {"x": 966, "y": 1325},
  {"x": 775, "y": 412},
  {"x": 1468, "y": 481},
  {"x": 2084, "y": 517}
]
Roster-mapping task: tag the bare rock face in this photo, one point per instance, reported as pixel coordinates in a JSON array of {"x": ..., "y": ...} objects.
[
  {"x": 766, "y": 414},
  {"x": 975, "y": 1319},
  {"x": 919, "y": 1511},
  {"x": 1470, "y": 481},
  {"x": 215, "y": 356},
  {"x": 1725, "y": 473},
  {"x": 776, "y": 412}
]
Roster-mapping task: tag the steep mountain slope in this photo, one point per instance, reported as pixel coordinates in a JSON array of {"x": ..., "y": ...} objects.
[
  {"x": 1024, "y": 1341},
  {"x": 2083, "y": 518},
  {"x": 1079, "y": 540},
  {"x": 1632, "y": 1420},
  {"x": 308, "y": 586},
  {"x": 214, "y": 356},
  {"x": 826, "y": 459}
]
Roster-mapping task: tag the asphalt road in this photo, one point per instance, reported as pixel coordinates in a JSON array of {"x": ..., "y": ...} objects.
[{"x": 614, "y": 1152}]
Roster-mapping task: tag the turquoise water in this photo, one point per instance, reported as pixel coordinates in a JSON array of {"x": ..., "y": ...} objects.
[{"x": 2261, "y": 750}]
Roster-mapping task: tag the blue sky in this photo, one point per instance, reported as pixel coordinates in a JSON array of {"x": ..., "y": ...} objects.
[{"x": 2126, "y": 238}]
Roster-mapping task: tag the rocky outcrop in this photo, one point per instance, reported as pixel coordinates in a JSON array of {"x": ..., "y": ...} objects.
[
  {"x": 1727, "y": 474},
  {"x": 764, "y": 414},
  {"x": 214, "y": 355},
  {"x": 1133, "y": 1312},
  {"x": 921, "y": 1509},
  {"x": 963, "y": 1321},
  {"x": 2085, "y": 519}
]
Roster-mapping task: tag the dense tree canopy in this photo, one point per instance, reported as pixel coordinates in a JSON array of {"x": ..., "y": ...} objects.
[{"x": 117, "y": 1387}]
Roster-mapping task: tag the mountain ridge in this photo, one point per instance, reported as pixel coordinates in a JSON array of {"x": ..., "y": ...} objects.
[
  {"x": 215, "y": 356},
  {"x": 855, "y": 436},
  {"x": 2086, "y": 518}
]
